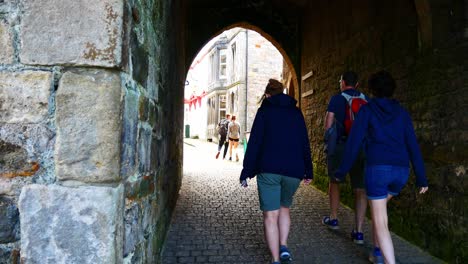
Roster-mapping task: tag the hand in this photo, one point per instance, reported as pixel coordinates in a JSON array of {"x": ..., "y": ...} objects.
[
  {"x": 307, "y": 181},
  {"x": 339, "y": 177},
  {"x": 423, "y": 190},
  {"x": 244, "y": 183}
]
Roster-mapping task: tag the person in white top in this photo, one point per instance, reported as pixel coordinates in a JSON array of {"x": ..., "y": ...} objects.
[{"x": 234, "y": 129}]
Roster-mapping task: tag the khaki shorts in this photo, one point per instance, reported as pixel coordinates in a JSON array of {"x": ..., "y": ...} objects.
[
  {"x": 275, "y": 190},
  {"x": 357, "y": 172}
]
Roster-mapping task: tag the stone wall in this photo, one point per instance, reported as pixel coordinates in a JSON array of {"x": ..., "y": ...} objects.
[
  {"x": 89, "y": 170},
  {"x": 265, "y": 62},
  {"x": 431, "y": 74},
  {"x": 152, "y": 145}
]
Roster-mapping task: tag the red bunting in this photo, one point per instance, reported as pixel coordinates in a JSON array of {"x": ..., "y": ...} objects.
[{"x": 194, "y": 99}]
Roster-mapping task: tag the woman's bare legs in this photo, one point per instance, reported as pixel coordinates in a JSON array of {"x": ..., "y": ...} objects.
[
  {"x": 235, "y": 144},
  {"x": 381, "y": 233},
  {"x": 284, "y": 225},
  {"x": 270, "y": 223},
  {"x": 230, "y": 149},
  {"x": 374, "y": 233}
]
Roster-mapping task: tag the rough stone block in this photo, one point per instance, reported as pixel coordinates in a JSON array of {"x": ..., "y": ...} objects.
[
  {"x": 84, "y": 32},
  {"x": 6, "y": 187},
  {"x": 6, "y": 44},
  {"x": 133, "y": 232},
  {"x": 24, "y": 96},
  {"x": 71, "y": 225},
  {"x": 7, "y": 6},
  {"x": 144, "y": 149},
  {"x": 129, "y": 133},
  {"x": 9, "y": 253},
  {"x": 88, "y": 126},
  {"x": 8, "y": 221},
  {"x": 13, "y": 158},
  {"x": 27, "y": 151}
]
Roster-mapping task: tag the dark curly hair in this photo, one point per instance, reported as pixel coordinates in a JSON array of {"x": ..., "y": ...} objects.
[{"x": 382, "y": 84}]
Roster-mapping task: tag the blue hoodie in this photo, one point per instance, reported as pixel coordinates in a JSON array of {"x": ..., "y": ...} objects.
[
  {"x": 387, "y": 132},
  {"x": 278, "y": 141}
]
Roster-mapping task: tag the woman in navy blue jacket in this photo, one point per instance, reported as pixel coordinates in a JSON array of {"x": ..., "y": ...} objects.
[
  {"x": 278, "y": 153},
  {"x": 386, "y": 131}
]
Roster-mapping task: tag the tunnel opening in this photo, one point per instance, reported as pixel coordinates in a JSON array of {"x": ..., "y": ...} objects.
[
  {"x": 228, "y": 76},
  {"x": 327, "y": 38}
]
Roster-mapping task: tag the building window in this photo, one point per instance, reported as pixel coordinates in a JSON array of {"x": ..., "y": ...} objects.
[
  {"x": 222, "y": 106},
  {"x": 222, "y": 64},
  {"x": 212, "y": 75},
  {"x": 232, "y": 106},
  {"x": 233, "y": 50}
]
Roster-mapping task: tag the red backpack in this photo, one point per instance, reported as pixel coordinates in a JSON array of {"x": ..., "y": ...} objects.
[{"x": 352, "y": 108}]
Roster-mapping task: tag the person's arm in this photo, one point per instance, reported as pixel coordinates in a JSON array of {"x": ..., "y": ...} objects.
[
  {"x": 229, "y": 129},
  {"x": 415, "y": 154},
  {"x": 253, "y": 147},
  {"x": 329, "y": 119},
  {"x": 309, "y": 173},
  {"x": 354, "y": 142}
]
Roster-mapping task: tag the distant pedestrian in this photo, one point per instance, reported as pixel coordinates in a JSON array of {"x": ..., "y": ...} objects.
[
  {"x": 339, "y": 119},
  {"x": 386, "y": 131},
  {"x": 222, "y": 132},
  {"x": 278, "y": 153},
  {"x": 234, "y": 130}
]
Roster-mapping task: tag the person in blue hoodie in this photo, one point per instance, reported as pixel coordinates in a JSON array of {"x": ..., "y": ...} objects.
[
  {"x": 278, "y": 153},
  {"x": 386, "y": 131}
]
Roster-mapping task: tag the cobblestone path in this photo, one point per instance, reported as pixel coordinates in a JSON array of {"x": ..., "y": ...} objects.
[{"x": 217, "y": 221}]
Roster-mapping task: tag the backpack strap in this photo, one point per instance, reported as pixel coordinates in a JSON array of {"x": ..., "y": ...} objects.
[
  {"x": 349, "y": 97},
  {"x": 346, "y": 96}
]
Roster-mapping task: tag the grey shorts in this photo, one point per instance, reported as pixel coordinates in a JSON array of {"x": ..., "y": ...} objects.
[
  {"x": 275, "y": 190},
  {"x": 357, "y": 172}
]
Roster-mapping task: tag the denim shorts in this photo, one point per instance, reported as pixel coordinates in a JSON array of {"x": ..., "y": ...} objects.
[
  {"x": 275, "y": 190},
  {"x": 382, "y": 180}
]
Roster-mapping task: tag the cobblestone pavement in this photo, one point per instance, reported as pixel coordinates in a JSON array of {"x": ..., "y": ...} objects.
[{"x": 217, "y": 221}]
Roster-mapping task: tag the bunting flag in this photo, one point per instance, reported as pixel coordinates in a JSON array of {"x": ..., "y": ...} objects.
[{"x": 194, "y": 99}]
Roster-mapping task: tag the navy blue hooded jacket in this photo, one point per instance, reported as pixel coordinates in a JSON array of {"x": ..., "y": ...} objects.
[
  {"x": 387, "y": 132},
  {"x": 278, "y": 141}
]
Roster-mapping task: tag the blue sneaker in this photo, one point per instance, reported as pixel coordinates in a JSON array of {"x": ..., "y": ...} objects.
[
  {"x": 285, "y": 255},
  {"x": 357, "y": 237},
  {"x": 331, "y": 223},
  {"x": 276, "y": 262},
  {"x": 376, "y": 256}
]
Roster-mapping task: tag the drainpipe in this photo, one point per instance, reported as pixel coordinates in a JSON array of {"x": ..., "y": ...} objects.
[{"x": 246, "y": 75}]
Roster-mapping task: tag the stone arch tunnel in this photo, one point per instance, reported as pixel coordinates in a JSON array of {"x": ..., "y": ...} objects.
[{"x": 91, "y": 99}]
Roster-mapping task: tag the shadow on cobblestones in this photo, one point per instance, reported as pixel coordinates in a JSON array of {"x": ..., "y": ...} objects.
[{"x": 217, "y": 221}]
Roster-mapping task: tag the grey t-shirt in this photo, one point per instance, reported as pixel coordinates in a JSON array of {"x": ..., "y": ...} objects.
[{"x": 234, "y": 130}]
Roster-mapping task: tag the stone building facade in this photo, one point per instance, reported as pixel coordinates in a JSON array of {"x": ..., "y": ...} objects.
[{"x": 233, "y": 72}]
